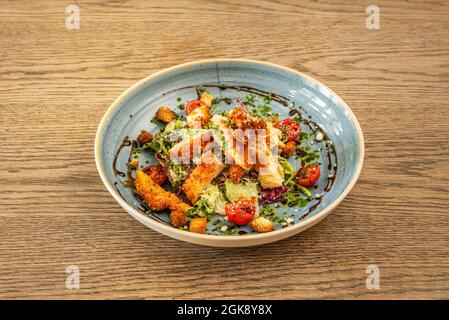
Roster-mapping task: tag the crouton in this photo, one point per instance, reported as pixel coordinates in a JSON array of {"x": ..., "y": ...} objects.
[
  {"x": 134, "y": 164},
  {"x": 203, "y": 174},
  {"x": 198, "y": 225},
  {"x": 273, "y": 119},
  {"x": 236, "y": 173},
  {"x": 155, "y": 196},
  {"x": 199, "y": 117},
  {"x": 288, "y": 148},
  {"x": 207, "y": 98},
  {"x": 262, "y": 224},
  {"x": 271, "y": 175},
  {"x": 144, "y": 137},
  {"x": 165, "y": 114},
  {"x": 178, "y": 218}
]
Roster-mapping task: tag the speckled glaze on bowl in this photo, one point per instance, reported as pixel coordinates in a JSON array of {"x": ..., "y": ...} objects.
[{"x": 132, "y": 110}]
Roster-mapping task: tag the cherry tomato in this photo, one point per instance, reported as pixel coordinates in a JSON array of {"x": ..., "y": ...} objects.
[
  {"x": 156, "y": 173},
  {"x": 291, "y": 128},
  {"x": 192, "y": 105},
  {"x": 241, "y": 212},
  {"x": 308, "y": 175}
]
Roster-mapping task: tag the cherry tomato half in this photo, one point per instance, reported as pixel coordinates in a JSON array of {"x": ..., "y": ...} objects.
[
  {"x": 291, "y": 128},
  {"x": 308, "y": 175},
  {"x": 242, "y": 211},
  {"x": 192, "y": 105},
  {"x": 156, "y": 173}
]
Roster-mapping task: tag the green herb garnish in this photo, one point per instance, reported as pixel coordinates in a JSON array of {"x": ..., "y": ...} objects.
[
  {"x": 292, "y": 198},
  {"x": 202, "y": 208},
  {"x": 270, "y": 213},
  {"x": 306, "y": 155}
]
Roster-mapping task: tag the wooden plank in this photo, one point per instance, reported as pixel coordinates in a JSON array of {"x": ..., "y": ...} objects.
[{"x": 55, "y": 84}]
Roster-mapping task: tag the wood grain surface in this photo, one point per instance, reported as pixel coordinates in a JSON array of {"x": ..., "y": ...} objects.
[{"x": 55, "y": 84}]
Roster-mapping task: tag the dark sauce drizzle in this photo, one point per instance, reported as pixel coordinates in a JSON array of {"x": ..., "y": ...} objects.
[
  {"x": 274, "y": 96},
  {"x": 129, "y": 183},
  {"x": 125, "y": 143}
]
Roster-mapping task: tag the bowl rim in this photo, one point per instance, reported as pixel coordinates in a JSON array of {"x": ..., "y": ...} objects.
[{"x": 180, "y": 234}]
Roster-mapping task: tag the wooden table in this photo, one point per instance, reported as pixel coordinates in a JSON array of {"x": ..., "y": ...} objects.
[{"x": 55, "y": 84}]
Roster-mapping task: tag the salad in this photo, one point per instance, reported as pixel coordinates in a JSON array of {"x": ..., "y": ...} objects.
[{"x": 228, "y": 172}]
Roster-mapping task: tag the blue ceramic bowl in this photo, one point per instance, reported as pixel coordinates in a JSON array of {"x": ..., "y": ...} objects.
[{"x": 132, "y": 111}]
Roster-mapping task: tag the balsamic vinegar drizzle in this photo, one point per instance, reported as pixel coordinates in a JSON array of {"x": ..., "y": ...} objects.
[
  {"x": 129, "y": 183},
  {"x": 125, "y": 143},
  {"x": 329, "y": 148},
  {"x": 266, "y": 94}
]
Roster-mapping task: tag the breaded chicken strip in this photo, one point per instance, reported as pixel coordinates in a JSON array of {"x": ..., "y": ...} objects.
[
  {"x": 178, "y": 219},
  {"x": 155, "y": 196},
  {"x": 209, "y": 168}
]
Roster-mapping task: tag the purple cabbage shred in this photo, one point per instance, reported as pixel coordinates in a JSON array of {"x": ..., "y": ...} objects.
[{"x": 272, "y": 195}]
